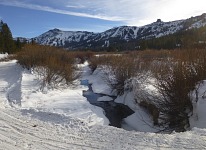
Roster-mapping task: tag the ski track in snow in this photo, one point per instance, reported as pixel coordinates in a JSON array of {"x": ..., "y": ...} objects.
[
  {"x": 20, "y": 129},
  {"x": 22, "y": 132}
]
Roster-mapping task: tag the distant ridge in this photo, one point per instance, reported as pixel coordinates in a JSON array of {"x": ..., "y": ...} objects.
[{"x": 90, "y": 40}]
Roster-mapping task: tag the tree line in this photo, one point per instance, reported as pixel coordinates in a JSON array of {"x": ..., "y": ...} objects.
[
  {"x": 7, "y": 43},
  {"x": 191, "y": 38}
]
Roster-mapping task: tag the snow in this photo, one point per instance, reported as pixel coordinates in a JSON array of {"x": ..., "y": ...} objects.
[
  {"x": 198, "y": 22},
  {"x": 98, "y": 82},
  {"x": 105, "y": 98},
  {"x": 198, "y": 119},
  {"x": 59, "y": 38},
  {"x": 66, "y": 101},
  {"x": 140, "y": 120},
  {"x": 20, "y": 88},
  {"x": 21, "y": 132},
  {"x": 80, "y": 38},
  {"x": 63, "y": 119},
  {"x": 3, "y": 55}
]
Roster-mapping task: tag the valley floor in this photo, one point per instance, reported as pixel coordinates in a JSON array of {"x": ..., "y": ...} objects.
[{"x": 63, "y": 119}]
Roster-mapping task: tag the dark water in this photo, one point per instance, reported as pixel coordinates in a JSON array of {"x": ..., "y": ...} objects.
[{"x": 115, "y": 112}]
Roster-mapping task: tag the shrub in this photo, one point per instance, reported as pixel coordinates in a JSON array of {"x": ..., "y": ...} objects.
[
  {"x": 152, "y": 109},
  {"x": 99, "y": 60},
  {"x": 55, "y": 66},
  {"x": 83, "y": 56},
  {"x": 175, "y": 75},
  {"x": 174, "y": 100},
  {"x": 118, "y": 71}
]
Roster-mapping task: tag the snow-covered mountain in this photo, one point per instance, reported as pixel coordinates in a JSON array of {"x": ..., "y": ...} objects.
[
  {"x": 83, "y": 39},
  {"x": 67, "y": 39},
  {"x": 22, "y": 39}
]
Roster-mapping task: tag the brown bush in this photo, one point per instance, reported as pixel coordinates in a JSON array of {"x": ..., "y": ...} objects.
[
  {"x": 99, "y": 60},
  {"x": 82, "y": 56},
  {"x": 176, "y": 75},
  {"x": 152, "y": 109},
  {"x": 119, "y": 69},
  {"x": 54, "y": 66},
  {"x": 174, "y": 100}
]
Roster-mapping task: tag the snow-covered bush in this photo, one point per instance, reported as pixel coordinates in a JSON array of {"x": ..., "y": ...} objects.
[
  {"x": 119, "y": 72},
  {"x": 169, "y": 86}
]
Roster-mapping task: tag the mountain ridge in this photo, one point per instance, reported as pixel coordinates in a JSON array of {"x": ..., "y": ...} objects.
[{"x": 91, "y": 40}]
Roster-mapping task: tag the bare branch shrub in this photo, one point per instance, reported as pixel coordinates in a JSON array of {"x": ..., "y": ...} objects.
[
  {"x": 82, "y": 56},
  {"x": 175, "y": 75},
  {"x": 55, "y": 66},
  {"x": 119, "y": 71},
  {"x": 99, "y": 60}
]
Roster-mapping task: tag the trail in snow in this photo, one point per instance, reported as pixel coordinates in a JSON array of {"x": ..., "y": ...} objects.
[{"x": 22, "y": 132}]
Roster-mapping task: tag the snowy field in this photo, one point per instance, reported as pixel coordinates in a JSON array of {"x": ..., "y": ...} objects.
[{"x": 63, "y": 119}]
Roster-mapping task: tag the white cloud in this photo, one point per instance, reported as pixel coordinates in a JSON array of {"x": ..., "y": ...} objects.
[
  {"x": 131, "y": 12},
  {"x": 60, "y": 11},
  {"x": 140, "y": 12},
  {"x": 75, "y": 6}
]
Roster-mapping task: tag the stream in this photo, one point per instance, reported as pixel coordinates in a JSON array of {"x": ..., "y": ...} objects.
[{"x": 115, "y": 112}]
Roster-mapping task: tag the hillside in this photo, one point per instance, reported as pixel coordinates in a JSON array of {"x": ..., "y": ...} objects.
[{"x": 118, "y": 35}]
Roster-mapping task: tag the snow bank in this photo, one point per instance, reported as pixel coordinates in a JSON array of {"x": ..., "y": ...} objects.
[
  {"x": 105, "y": 98},
  {"x": 68, "y": 101},
  {"x": 98, "y": 83},
  {"x": 3, "y": 55},
  {"x": 140, "y": 120},
  {"x": 198, "y": 119},
  {"x": 19, "y": 88},
  {"x": 10, "y": 79}
]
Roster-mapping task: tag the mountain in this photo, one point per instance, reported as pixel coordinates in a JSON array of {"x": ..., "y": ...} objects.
[
  {"x": 122, "y": 34},
  {"x": 67, "y": 39},
  {"x": 22, "y": 39}
]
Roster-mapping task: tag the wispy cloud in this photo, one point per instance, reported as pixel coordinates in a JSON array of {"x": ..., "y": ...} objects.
[
  {"x": 131, "y": 12},
  {"x": 140, "y": 12},
  {"x": 75, "y": 6},
  {"x": 60, "y": 11}
]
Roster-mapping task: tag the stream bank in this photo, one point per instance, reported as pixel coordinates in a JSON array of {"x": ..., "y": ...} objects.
[{"x": 115, "y": 112}]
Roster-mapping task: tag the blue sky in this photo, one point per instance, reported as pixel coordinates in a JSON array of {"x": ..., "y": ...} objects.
[{"x": 30, "y": 18}]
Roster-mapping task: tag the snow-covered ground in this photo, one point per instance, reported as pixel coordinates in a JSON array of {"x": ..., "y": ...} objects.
[
  {"x": 139, "y": 121},
  {"x": 19, "y": 132},
  {"x": 63, "y": 119},
  {"x": 20, "y": 89},
  {"x": 198, "y": 118},
  {"x": 105, "y": 98}
]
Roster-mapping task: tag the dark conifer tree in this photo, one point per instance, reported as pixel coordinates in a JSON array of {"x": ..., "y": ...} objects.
[
  {"x": 8, "y": 43},
  {"x": 18, "y": 44}
]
